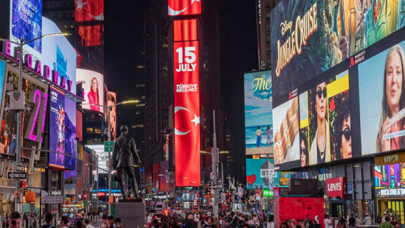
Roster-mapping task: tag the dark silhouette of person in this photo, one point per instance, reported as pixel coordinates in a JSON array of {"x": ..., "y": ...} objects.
[{"x": 124, "y": 159}]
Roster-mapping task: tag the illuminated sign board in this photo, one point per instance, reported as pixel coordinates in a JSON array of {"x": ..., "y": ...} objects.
[
  {"x": 184, "y": 7},
  {"x": 93, "y": 89}
]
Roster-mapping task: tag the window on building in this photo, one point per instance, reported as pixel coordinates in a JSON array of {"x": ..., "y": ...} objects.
[
  {"x": 97, "y": 131},
  {"x": 89, "y": 130}
]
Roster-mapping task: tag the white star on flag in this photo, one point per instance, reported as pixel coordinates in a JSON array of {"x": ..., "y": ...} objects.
[{"x": 196, "y": 120}]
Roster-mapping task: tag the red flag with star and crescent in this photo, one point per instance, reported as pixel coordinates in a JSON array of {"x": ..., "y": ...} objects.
[{"x": 187, "y": 114}]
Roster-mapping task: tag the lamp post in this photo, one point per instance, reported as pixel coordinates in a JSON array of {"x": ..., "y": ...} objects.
[
  {"x": 109, "y": 108},
  {"x": 19, "y": 112},
  {"x": 222, "y": 164}
]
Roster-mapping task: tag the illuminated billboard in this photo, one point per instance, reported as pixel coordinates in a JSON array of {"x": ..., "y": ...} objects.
[
  {"x": 111, "y": 101},
  {"x": 26, "y": 23},
  {"x": 382, "y": 101},
  {"x": 93, "y": 89},
  {"x": 184, "y": 7},
  {"x": 36, "y": 97},
  {"x": 187, "y": 111},
  {"x": 258, "y": 113},
  {"x": 58, "y": 53},
  {"x": 87, "y": 11},
  {"x": 311, "y": 36},
  {"x": 314, "y": 127},
  {"x": 389, "y": 172},
  {"x": 260, "y": 174},
  {"x": 62, "y": 130}
]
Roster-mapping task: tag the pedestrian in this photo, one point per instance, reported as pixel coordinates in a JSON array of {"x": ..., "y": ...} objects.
[
  {"x": 386, "y": 223},
  {"x": 155, "y": 223},
  {"x": 327, "y": 222},
  {"x": 110, "y": 221},
  {"x": 117, "y": 223},
  {"x": 105, "y": 221},
  {"x": 210, "y": 223},
  {"x": 367, "y": 220},
  {"x": 64, "y": 221},
  {"x": 352, "y": 222},
  {"x": 357, "y": 221},
  {"x": 394, "y": 221},
  {"x": 48, "y": 220},
  {"x": 15, "y": 220},
  {"x": 149, "y": 219},
  {"x": 87, "y": 223},
  {"x": 78, "y": 224},
  {"x": 308, "y": 222}
]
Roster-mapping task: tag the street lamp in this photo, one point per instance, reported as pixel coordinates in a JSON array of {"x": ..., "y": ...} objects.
[
  {"x": 222, "y": 167},
  {"x": 19, "y": 112}
]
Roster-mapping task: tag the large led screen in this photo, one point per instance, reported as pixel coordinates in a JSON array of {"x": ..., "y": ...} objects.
[
  {"x": 62, "y": 130},
  {"x": 390, "y": 180},
  {"x": 184, "y": 7},
  {"x": 36, "y": 97},
  {"x": 93, "y": 89},
  {"x": 258, "y": 113},
  {"x": 382, "y": 101},
  {"x": 26, "y": 23},
  {"x": 310, "y": 36},
  {"x": 315, "y": 126},
  {"x": 260, "y": 174},
  {"x": 58, "y": 53},
  {"x": 112, "y": 101},
  {"x": 91, "y": 33}
]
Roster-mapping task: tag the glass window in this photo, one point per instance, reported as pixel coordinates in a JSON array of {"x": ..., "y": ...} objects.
[
  {"x": 366, "y": 171},
  {"x": 358, "y": 189},
  {"x": 349, "y": 172},
  {"x": 367, "y": 190},
  {"x": 97, "y": 131},
  {"x": 89, "y": 130},
  {"x": 357, "y": 172}
]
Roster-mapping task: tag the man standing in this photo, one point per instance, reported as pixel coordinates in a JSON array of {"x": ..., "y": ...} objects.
[
  {"x": 64, "y": 221},
  {"x": 125, "y": 157},
  {"x": 367, "y": 220},
  {"x": 328, "y": 222},
  {"x": 87, "y": 223},
  {"x": 386, "y": 223},
  {"x": 48, "y": 220},
  {"x": 352, "y": 222}
]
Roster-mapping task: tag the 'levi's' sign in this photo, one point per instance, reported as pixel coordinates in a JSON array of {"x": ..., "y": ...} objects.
[{"x": 336, "y": 187}]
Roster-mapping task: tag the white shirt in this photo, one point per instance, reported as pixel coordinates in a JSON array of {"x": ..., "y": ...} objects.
[
  {"x": 328, "y": 223},
  {"x": 149, "y": 218},
  {"x": 367, "y": 220},
  {"x": 357, "y": 222},
  {"x": 89, "y": 226}
]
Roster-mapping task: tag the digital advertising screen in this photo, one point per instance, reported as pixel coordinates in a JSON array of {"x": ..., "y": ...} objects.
[
  {"x": 93, "y": 89},
  {"x": 2, "y": 76},
  {"x": 184, "y": 7},
  {"x": 36, "y": 96},
  {"x": 26, "y": 23},
  {"x": 87, "y": 11},
  {"x": 58, "y": 53},
  {"x": 390, "y": 180},
  {"x": 382, "y": 101},
  {"x": 111, "y": 101},
  {"x": 311, "y": 36},
  {"x": 260, "y": 173},
  {"x": 62, "y": 130},
  {"x": 258, "y": 113}
]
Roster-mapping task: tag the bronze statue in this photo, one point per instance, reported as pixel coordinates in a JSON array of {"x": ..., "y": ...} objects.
[{"x": 124, "y": 159}]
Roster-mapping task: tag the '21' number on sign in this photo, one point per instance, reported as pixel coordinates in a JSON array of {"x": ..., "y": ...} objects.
[
  {"x": 190, "y": 59},
  {"x": 40, "y": 100}
]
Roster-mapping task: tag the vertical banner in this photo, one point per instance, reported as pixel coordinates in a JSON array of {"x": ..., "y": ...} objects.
[{"x": 187, "y": 113}]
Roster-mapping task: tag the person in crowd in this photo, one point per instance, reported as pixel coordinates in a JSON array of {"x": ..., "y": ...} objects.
[
  {"x": 308, "y": 222},
  {"x": 284, "y": 225},
  {"x": 64, "y": 221},
  {"x": 352, "y": 222},
  {"x": 393, "y": 102},
  {"x": 149, "y": 219},
  {"x": 256, "y": 219},
  {"x": 48, "y": 220},
  {"x": 15, "y": 220},
  {"x": 269, "y": 136},
  {"x": 190, "y": 222},
  {"x": 117, "y": 223},
  {"x": 88, "y": 224},
  {"x": 110, "y": 221},
  {"x": 367, "y": 220},
  {"x": 210, "y": 223},
  {"x": 250, "y": 220},
  {"x": 386, "y": 223},
  {"x": 105, "y": 221},
  {"x": 78, "y": 224},
  {"x": 357, "y": 221},
  {"x": 155, "y": 223},
  {"x": 327, "y": 222},
  {"x": 394, "y": 221}
]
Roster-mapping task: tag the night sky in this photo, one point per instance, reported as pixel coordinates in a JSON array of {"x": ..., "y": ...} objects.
[{"x": 123, "y": 29}]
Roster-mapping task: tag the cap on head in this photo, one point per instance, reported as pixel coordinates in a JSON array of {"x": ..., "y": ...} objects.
[{"x": 124, "y": 128}]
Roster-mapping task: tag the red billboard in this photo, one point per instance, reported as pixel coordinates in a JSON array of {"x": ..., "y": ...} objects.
[
  {"x": 184, "y": 7},
  {"x": 187, "y": 113},
  {"x": 336, "y": 187}
]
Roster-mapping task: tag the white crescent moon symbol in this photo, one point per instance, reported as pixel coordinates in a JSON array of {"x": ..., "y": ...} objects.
[
  {"x": 177, "y": 132},
  {"x": 174, "y": 12}
]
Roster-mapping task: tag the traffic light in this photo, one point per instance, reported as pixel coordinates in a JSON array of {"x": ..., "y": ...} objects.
[
  {"x": 85, "y": 196},
  {"x": 153, "y": 189}
]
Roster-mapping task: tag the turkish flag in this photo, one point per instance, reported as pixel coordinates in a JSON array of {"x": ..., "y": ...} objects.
[
  {"x": 187, "y": 114},
  {"x": 184, "y": 7}
]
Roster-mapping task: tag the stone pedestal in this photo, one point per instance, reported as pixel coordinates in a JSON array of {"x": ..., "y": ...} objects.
[{"x": 132, "y": 214}]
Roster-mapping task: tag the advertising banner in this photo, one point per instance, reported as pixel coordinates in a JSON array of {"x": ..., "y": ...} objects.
[
  {"x": 87, "y": 11},
  {"x": 62, "y": 130},
  {"x": 184, "y": 7},
  {"x": 382, "y": 101},
  {"x": 59, "y": 54},
  {"x": 258, "y": 113},
  {"x": 335, "y": 187},
  {"x": 187, "y": 113},
  {"x": 93, "y": 89},
  {"x": 310, "y": 36},
  {"x": 390, "y": 180},
  {"x": 260, "y": 174},
  {"x": 36, "y": 97},
  {"x": 315, "y": 127},
  {"x": 26, "y": 23},
  {"x": 111, "y": 101}
]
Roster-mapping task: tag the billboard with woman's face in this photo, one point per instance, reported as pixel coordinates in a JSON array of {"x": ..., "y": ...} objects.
[
  {"x": 93, "y": 89},
  {"x": 382, "y": 101}
]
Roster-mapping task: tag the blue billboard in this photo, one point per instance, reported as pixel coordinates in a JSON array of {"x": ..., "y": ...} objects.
[{"x": 260, "y": 174}]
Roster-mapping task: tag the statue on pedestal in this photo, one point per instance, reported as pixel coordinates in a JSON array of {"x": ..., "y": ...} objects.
[{"x": 123, "y": 160}]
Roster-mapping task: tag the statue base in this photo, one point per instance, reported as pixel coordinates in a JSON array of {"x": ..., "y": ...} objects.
[{"x": 132, "y": 213}]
